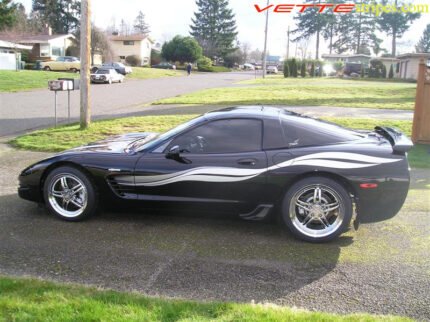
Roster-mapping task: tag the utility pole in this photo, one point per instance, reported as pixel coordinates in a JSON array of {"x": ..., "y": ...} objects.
[
  {"x": 288, "y": 42},
  {"x": 85, "y": 63},
  {"x": 265, "y": 41}
]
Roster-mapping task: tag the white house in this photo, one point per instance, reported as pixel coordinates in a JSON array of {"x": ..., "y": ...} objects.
[
  {"x": 10, "y": 55},
  {"x": 408, "y": 64},
  {"x": 138, "y": 45},
  {"x": 353, "y": 58},
  {"x": 388, "y": 61}
]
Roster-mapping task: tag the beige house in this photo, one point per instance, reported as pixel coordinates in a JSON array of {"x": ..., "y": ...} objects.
[
  {"x": 138, "y": 45},
  {"x": 408, "y": 64},
  {"x": 354, "y": 58},
  {"x": 388, "y": 61}
]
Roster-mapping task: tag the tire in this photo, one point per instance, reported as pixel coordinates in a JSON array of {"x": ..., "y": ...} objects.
[
  {"x": 306, "y": 213},
  {"x": 61, "y": 199},
  {"x": 47, "y": 68},
  {"x": 73, "y": 70}
]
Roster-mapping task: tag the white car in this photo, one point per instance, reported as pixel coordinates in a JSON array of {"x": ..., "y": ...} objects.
[
  {"x": 272, "y": 70},
  {"x": 106, "y": 75},
  {"x": 248, "y": 66}
]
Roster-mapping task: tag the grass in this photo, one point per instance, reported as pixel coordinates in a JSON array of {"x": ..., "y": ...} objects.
[
  {"x": 12, "y": 81},
  {"x": 35, "y": 300},
  {"x": 146, "y": 73},
  {"x": 69, "y": 136},
  {"x": 275, "y": 90}
]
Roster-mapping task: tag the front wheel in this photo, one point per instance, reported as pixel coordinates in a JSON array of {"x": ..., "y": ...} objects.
[
  {"x": 69, "y": 194},
  {"x": 317, "y": 209}
]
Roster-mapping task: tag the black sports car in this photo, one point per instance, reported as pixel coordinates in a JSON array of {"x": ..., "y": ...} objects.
[{"x": 316, "y": 177}]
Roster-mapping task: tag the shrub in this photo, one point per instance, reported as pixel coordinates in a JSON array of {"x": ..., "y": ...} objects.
[
  {"x": 204, "y": 64},
  {"x": 286, "y": 69},
  {"x": 133, "y": 60},
  {"x": 362, "y": 71},
  {"x": 384, "y": 71},
  {"x": 294, "y": 67},
  {"x": 303, "y": 69},
  {"x": 391, "y": 72},
  {"x": 312, "y": 73},
  {"x": 338, "y": 66}
]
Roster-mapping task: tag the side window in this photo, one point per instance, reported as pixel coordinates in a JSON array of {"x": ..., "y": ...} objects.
[{"x": 222, "y": 136}]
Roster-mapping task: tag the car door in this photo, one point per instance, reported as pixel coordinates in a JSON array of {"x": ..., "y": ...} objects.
[{"x": 220, "y": 161}]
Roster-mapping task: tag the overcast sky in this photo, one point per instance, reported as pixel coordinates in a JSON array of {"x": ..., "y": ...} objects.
[{"x": 170, "y": 17}]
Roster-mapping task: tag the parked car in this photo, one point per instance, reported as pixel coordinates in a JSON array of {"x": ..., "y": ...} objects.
[
  {"x": 256, "y": 161},
  {"x": 164, "y": 65},
  {"x": 106, "y": 75},
  {"x": 119, "y": 67},
  {"x": 272, "y": 70},
  {"x": 248, "y": 66},
  {"x": 67, "y": 63}
]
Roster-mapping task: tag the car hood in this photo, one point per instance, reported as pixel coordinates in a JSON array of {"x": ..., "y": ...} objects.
[{"x": 114, "y": 144}]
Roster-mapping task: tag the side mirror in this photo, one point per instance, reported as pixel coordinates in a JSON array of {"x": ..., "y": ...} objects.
[{"x": 173, "y": 152}]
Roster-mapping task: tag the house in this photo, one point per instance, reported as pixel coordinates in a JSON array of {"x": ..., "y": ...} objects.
[
  {"x": 354, "y": 58},
  {"x": 408, "y": 64},
  {"x": 132, "y": 45},
  {"x": 388, "y": 61},
  {"x": 10, "y": 55},
  {"x": 46, "y": 46}
]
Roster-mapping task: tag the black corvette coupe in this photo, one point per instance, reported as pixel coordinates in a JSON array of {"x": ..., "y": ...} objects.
[{"x": 316, "y": 177}]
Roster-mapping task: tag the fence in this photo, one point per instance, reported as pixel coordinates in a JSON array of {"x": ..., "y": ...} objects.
[{"x": 421, "y": 124}]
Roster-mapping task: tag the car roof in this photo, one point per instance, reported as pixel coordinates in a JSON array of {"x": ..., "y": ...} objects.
[{"x": 258, "y": 111}]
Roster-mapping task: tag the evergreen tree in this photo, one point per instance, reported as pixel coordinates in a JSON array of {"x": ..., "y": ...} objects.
[
  {"x": 303, "y": 69},
  {"x": 214, "y": 27},
  {"x": 140, "y": 26},
  {"x": 294, "y": 67},
  {"x": 310, "y": 23},
  {"x": 395, "y": 24},
  {"x": 391, "y": 72},
  {"x": 7, "y": 14},
  {"x": 423, "y": 45},
  {"x": 362, "y": 71},
  {"x": 286, "y": 69},
  {"x": 61, "y": 15},
  {"x": 312, "y": 73}
]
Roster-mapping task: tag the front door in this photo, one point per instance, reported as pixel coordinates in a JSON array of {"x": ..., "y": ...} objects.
[{"x": 220, "y": 161}]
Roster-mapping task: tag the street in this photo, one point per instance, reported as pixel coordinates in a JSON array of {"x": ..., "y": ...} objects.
[{"x": 23, "y": 111}]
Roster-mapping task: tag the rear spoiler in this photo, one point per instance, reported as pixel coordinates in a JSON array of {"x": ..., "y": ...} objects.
[{"x": 399, "y": 141}]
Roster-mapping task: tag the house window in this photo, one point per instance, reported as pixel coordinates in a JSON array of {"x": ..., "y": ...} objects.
[
  {"x": 128, "y": 43},
  {"x": 56, "y": 51},
  {"x": 44, "y": 50}
]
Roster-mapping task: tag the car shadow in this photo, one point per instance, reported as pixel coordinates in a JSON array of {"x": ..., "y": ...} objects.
[{"x": 180, "y": 253}]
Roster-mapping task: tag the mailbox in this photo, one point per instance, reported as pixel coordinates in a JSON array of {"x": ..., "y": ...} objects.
[
  {"x": 60, "y": 85},
  {"x": 75, "y": 83}
]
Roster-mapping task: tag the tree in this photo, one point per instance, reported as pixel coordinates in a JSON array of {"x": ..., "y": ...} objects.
[
  {"x": 310, "y": 23},
  {"x": 395, "y": 24},
  {"x": 124, "y": 28},
  {"x": 286, "y": 69},
  {"x": 7, "y": 14},
  {"x": 214, "y": 27},
  {"x": 423, "y": 45},
  {"x": 256, "y": 56},
  {"x": 384, "y": 71},
  {"x": 312, "y": 72},
  {"x": 182, "y": 49},
  {"x": 391, "y": 72},
  {"x": 234, "y": 58},
  {"x": 61, "y": 15},
  {"x": 140, "y": 26},
  {"x": 293, "y": 67},
  {"x": 245, "y": 49}
]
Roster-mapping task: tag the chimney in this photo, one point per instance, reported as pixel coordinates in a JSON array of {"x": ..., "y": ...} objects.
[{"x": 48, "y": 30}]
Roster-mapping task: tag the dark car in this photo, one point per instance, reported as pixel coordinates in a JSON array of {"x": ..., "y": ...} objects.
[
  {"x": 255, "y": 161},
  {"x": 119, "y": 67},
  {"x": 164, "y": 65}
]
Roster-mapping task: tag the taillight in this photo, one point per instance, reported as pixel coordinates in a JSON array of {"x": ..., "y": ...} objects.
[{"x": 368, "y": 185}]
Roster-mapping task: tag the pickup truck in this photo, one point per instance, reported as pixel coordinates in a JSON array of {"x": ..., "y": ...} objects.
[{"x": 68, "y": 63}]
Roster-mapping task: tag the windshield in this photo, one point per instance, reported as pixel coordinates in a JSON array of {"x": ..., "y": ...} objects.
[{"x": 145, "y": 144}]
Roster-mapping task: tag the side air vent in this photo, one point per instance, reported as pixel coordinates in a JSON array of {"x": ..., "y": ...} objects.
[{"x": 119, "y": 189}]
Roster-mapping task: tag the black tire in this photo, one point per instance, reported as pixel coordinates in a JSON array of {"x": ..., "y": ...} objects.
[
  {"x": 329, "y": 188},
  {"x": 47, "y": 68},
  {"x": 73, "y": 175}
]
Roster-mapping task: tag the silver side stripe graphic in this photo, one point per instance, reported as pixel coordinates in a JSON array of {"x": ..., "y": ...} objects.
[{"x": 341, "y": 160}]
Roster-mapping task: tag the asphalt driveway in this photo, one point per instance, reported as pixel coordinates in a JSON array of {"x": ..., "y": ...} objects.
[
  {"x": 24, "y": 111},
  {"x": 382, "y": 268}
]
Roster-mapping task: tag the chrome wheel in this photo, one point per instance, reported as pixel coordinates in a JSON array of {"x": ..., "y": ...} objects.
[
  {"x": 316, "y": 210},
  {"x": 67, "y": 195}
]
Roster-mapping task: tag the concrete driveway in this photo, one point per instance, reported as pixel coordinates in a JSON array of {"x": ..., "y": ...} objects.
[
  {"x": 24, "y": 111},
  {"x": 382, "y": 268}
]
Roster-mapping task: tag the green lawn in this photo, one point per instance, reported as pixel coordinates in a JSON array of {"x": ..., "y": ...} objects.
[
  {"x": 12, "y": 81},
  {"x": 69, "y": 136},
  {"x": 276, "y": 90},
  {"x": 35, "y": 300},
  {"x": 145, "y": 73}
]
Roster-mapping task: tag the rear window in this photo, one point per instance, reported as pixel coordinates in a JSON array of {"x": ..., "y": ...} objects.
[
  {"x": 299, "y": 132},
  {"x": 102, "y": 71}
]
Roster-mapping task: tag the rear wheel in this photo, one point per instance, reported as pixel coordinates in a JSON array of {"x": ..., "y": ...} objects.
[
  {"x": 69, "y": 194},
  {"x": 317, "y": 209},
  {"x": 47, "y": 68},
  {"x": 73, "y": 70}
]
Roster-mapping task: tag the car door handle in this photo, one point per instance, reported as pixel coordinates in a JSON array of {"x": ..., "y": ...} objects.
[{"x": 247, "y": 161}]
